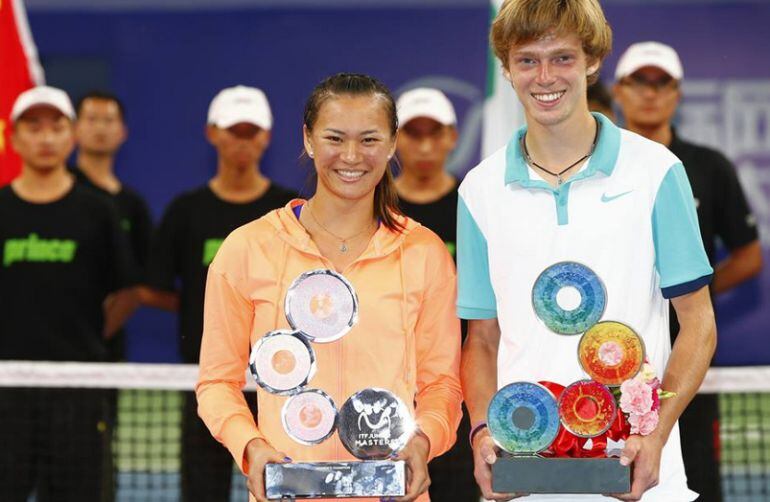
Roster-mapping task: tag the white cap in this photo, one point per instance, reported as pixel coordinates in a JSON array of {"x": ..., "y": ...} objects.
[
  {"x": 240, "y": 104},
  {"x": 43, "y": 95},
  {"x": 649, "y": 54},
  {"x": 425, "y": 102}
]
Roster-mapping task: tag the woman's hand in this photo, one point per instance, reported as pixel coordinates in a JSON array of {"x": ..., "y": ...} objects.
[
  {"x": 415, "y": 454},
  {"x": 258, "y": 454}
]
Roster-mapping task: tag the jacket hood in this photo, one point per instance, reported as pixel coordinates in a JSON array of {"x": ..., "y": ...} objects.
[{"x": 291, "y": 231}]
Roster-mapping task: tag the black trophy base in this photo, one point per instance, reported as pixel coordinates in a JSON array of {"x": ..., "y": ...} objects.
[
  {"x": 531, "y": 474},
  {"x": 312, "y": 480}
]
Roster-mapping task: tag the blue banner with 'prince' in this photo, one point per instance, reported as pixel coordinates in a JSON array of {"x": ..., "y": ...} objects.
[{"x": 168, "y": 59}]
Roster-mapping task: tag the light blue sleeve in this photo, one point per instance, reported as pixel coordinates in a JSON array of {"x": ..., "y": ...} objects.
[
  {"x": 475, "y": 297},
  {"x": 679, "y": 255}
]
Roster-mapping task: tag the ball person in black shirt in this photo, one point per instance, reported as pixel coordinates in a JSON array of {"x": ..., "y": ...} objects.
[
  {"x": 100, "y": 131},
  {"x": 427, "y": 136},
  {"x": 64, "y": 272},
  {"x": 647, "y": 89},
  {"x": 428, "y": 193},
  {"x": 189, "y": 235}
]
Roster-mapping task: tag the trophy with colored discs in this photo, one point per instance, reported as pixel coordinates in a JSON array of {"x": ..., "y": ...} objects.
[
  {"x": 322, "y": 307},
  {"x": 531, "y": 424}
]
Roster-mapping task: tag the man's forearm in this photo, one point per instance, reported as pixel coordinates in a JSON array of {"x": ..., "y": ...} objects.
[
  {"x": 478, "y": 369},
  {"x": 740, "y": 265},
  {"x": 118, "y": 307},
  {"x": 164, "y": 300},
  {"x": 690, "y": 357}
]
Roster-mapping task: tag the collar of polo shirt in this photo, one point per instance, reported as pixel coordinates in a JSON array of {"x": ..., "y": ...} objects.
[{"x": 603, "y": 159}]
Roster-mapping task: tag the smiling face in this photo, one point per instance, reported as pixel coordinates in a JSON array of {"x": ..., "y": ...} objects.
[
  {"x": 550, "y": 77},
  {"x": 351, "y": 144},
  {"x": 43, "y": 137}
]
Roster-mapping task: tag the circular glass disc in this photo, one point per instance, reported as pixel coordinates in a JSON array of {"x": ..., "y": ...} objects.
[
  {"x": 568, "y": 297},
  {"x": 322, "y": 305}
]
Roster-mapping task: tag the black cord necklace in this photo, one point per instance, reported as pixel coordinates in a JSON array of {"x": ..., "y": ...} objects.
[{"x": 558, "y": 175}]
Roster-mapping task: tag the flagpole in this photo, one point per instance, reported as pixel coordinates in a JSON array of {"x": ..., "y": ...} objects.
[
  {"x": 21, "y": 70},
  {"x": 503, "y": 113}
]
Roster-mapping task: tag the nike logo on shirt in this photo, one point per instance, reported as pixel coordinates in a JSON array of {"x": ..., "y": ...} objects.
[{"x": 608, "y": 198}]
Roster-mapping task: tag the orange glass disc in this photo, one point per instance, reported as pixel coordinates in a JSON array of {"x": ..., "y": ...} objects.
[
  {"x": 587, "y": 408},
  {"x": 611, "y": 352}
]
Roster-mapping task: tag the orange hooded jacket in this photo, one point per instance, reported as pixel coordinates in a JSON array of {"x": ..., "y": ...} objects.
[{"x": 407, "y": 338}]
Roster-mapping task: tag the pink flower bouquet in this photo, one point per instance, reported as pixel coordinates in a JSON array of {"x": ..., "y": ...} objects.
[{"x": 640, "y": 400}]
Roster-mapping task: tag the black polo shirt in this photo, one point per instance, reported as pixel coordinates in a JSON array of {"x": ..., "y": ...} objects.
[
  {"x": 439, "y": 216},
  {"x": 723, "y": 211},
  {"x": 189, "y": 235},
  {"x": 134, "y": 215},
  {"x": 136, "y": 225},
  {"x": 59, "y": 262}
]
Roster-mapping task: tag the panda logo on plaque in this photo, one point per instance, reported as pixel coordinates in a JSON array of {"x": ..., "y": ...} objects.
[
  {"x": 374, "y": 424},
  {"x": 381, "y": 408}
]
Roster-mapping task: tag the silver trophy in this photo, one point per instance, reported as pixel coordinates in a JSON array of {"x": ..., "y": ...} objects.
[{"x": 373, "y": 424}]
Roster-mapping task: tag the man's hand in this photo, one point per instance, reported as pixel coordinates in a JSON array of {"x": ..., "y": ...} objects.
[
  {"x": 643, "y": 452},
  {"x": 258, "y": 454},
  {"x": 484, "y": 455},
  {"x": 415, "y": 454},
  {"x": 118, "y": 307}
]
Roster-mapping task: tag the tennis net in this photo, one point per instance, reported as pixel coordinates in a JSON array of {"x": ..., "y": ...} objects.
[
  {"x": 125, "y": 432},
  {"x": 744, "y": 430},
  {"x": 108, "y": 432}
]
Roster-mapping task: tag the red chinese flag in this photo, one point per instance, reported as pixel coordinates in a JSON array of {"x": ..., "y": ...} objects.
[{"x": 19, "y": 70}]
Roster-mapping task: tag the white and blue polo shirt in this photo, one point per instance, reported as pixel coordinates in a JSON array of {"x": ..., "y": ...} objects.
[{"x": 628, "y": 214}]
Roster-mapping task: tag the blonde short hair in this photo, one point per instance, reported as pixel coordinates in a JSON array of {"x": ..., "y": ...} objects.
[{"x": 522, "y": 21}]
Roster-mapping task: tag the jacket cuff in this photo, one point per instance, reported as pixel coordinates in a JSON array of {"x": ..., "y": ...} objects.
[
  {"x": 435, "y": 430},
  {"x": 237, "y": 432}
]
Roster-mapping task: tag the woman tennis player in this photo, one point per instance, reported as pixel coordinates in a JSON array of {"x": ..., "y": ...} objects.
[{"x": 407, "y": 338}]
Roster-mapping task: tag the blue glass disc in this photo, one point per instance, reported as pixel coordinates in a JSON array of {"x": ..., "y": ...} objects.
[
  {"x": 523, "y": 418},
  {"x": 593, "y": 298}
]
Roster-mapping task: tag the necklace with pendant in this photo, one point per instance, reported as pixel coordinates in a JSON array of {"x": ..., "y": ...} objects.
[
  {"x": 559, "y": 179},
  {"x": 343, "y": 240}
]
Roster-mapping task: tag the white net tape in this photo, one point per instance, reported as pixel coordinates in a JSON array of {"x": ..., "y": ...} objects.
[
  {"x": 184, "y": 376},
  {"x": 101, "y": 375}
]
